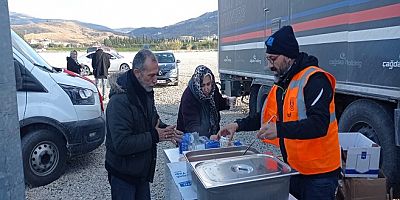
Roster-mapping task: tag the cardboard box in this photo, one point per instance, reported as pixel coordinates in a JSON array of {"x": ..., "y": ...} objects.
[
  {"x": 363, "y": 188},
  {"x": 361, "y": 157}
]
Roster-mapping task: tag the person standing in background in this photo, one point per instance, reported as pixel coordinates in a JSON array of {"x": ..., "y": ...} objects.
[
  {"x": 72, "y": 62},
  {"x": 100, "y": 64}
]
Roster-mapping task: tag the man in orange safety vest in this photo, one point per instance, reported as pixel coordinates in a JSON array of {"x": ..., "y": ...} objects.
[{"x": 299, "y": 117}]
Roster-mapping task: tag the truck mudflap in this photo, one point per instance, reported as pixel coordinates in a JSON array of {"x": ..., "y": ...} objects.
[{"x": 397, "y": 126}]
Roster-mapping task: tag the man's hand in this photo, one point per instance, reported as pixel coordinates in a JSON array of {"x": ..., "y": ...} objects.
[
  {"x": 267, "y": 131},
  {"x": 215, "y": 137},
  {"x": 166, "y": 134},
  {"x": 228, "y": 130},
  {"x": 177, "y": 137}
]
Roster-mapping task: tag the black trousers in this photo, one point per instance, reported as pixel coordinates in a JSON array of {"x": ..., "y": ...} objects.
[
  {"x": 122, "y": 190},
  {"x": 313, "y": 188}
]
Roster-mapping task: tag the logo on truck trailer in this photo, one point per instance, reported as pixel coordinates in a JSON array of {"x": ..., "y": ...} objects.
[
  {"x": 255, "y": 60},
  {"x": 227, "y": 59},
  {"x": 391, "y": 64},
  {"x": 344, "y": 61}
]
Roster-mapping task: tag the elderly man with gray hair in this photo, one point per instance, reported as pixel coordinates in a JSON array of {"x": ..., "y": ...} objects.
[{"x": 134, "y": 129}]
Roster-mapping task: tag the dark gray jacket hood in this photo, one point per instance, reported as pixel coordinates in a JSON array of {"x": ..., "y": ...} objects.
[{"x": 120, "y": 86}]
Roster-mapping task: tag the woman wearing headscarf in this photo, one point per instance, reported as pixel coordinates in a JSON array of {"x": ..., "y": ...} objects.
[{"x": 200, "y": 104}]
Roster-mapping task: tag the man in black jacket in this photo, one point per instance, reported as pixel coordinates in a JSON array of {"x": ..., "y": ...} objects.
[
  {"x": 133, "y": 130},
  {"x": 72, "y": 62},
  {"x": 100, "y": 65}
]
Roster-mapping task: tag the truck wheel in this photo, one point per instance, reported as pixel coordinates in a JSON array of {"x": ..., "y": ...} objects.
[
  {"x": 376, "y": 122},
  {"x": 44, "y": 156}
]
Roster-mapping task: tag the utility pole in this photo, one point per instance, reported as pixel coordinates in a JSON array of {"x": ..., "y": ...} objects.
[{"x": 12, "y": 184}]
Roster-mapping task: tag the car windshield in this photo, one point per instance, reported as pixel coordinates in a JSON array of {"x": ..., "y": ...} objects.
[
  {"x": 165, "y": 57},
  {"x": 22, "y": 47}
]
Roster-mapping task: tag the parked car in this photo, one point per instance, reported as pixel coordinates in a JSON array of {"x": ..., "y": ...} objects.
[
  {"x": 169, "y": 71},
  {"x": 117, "y": 62},
  {"x": 60, "y": 115}
]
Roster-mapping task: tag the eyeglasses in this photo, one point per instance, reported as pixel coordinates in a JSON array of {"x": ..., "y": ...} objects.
[{"x": 271, "y": 58}]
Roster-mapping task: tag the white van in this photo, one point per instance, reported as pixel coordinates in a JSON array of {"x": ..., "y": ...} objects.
[{"x": 60, "y": 115}]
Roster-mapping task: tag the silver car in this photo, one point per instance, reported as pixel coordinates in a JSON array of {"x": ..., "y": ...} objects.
[{"x": 169, "y": 71}]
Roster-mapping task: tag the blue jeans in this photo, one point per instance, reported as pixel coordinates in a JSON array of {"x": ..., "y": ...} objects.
[
  {"x": 122, "y": 190},
  {"x": 313, "y": 188}
]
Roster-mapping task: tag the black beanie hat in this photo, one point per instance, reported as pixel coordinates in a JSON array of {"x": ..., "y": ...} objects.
[{"x": 283, "y": 42}]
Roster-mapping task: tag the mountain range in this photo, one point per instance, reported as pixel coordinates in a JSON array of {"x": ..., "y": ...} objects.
[{"x": 73, "y": 31}]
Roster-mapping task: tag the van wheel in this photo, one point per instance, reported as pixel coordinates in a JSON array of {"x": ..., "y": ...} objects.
[
  {"x": 375, "y": 122},
  {"x": 44, "y": 156}
]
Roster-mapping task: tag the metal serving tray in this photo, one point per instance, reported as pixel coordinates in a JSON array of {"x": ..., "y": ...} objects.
[
  {"x": 240, "y": 169},
  {"x": 226, "y": 173}
]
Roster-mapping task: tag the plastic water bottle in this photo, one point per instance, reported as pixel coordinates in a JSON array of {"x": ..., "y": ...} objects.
[
  {"x": 212, "y": 144},
  {"x": 195, "y": 140},
  {"x": 189, "y": 142},
  {"x": 184, "y": 144},
  {"x": 224, "y": 141},
  {"x": 237, "y": 143}
]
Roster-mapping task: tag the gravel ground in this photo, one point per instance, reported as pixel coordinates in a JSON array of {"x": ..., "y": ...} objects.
[{"x": 85, "y": 176}]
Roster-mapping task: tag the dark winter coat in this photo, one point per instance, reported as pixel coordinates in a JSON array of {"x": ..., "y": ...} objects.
[
  {"x": 73, "y": 65},
  {"x": 100, "y": 63},
  {"x": 131, "y": 139},
  {"x": 194, "y": 114}
]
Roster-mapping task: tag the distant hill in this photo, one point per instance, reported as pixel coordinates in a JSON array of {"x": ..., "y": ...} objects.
[
  {"x": 96, "y": 27},
  {"x": 74, "y": 31},
  {"x": 21, "y": 19},
  {"x": 204, "y": 25},
  {"x": 62, "y": 32},
  {"x": 59, "y": 30},
  {"x": 124, "y": 30}
]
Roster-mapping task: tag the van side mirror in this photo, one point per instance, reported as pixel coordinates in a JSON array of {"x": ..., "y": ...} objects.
[{"x": 178, "y": 61}]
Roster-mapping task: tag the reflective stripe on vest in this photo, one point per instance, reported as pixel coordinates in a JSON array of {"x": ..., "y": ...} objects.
[{"x": 300, "y": 97}]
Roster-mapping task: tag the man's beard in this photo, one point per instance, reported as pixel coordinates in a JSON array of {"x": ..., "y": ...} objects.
[
  {"x": 279, "y": 74},
  {"x": 147, "y": 88}
]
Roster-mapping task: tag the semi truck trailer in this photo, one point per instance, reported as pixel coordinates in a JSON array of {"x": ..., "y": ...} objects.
[{"x": 358, "y": 41}]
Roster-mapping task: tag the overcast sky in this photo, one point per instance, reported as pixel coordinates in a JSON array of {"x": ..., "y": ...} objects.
[{"x": 116, "y": 13}]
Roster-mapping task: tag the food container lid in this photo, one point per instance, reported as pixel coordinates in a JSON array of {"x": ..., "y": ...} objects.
[{"x": 240, "y": 169}]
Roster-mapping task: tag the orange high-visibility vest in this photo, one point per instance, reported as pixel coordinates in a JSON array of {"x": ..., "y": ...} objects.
[
  {"x": 311, "y": 156},
  {"x": 270, "y": 112}
]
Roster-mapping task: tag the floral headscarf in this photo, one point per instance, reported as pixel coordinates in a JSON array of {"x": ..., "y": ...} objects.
[{"x": 195, "y": 86}]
